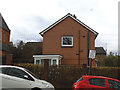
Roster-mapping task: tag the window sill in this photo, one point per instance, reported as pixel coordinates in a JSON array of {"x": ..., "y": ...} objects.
[{"x": 67, "y": 46}]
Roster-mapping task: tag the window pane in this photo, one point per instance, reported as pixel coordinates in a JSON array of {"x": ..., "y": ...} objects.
[
  {"x": 19, "y": 73},
  {"x": 97, "y": 82},
  {"x": 49, "y": 61},
  {"x": 114, "y": 84},
  {"x": 3, "y": 70},
  {"x": 37, "y": 61},
  {"x": 14, "y": 72},
  {"x": 67, "y": 40},
  {"x": 54, "y": 62},
  {"x": 42, "y": 61}
]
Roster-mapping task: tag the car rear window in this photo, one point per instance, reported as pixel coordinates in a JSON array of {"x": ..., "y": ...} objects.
[
  {"x": 97, "y": 82},
  {"x": 80, "y": 79}
]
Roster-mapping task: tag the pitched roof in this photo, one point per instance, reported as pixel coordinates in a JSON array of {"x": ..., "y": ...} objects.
[
  {"x": 63, "y": 18},
  {"x": 3, "y": 24},
  {"x": 34, "y": 44},
  {"x": 100, "y": 50}
]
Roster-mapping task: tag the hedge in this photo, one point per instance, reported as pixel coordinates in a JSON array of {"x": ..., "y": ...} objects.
[{"x": 65, "y": 76}]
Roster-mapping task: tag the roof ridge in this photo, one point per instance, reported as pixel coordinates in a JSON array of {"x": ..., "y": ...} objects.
[
  {"x": 64, "y": 17},
  {"x": 53, "y": 24}
]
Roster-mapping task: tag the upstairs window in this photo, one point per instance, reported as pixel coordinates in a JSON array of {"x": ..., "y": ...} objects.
[{"x": 67, "y": 41}]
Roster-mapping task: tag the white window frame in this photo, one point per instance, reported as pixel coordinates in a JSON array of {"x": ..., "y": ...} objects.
[
  {"x": 67, "y": 37},
  {"x": 48, "y": 57},
  {"x": 56, "y": 59},
  {"x": 38, "y": 61}
]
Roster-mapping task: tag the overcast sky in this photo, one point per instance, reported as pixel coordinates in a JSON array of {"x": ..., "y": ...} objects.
[{"x": 26, "y": 18}]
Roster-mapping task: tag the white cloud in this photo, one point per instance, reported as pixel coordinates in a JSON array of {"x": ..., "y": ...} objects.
[{"x": 26, "y": 18}]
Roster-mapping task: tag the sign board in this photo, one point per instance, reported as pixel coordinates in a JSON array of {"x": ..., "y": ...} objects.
[{"x": 92, "y": 54}]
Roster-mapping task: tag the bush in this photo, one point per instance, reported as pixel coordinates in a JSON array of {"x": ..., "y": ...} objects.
[
  {"x": 111, "y": 61},
  {"x": 65, "y": 76}
]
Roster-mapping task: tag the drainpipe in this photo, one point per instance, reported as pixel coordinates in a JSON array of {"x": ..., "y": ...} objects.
[
  {"x": 88, "y": 46},
  {"x": 79, "y": 50}
]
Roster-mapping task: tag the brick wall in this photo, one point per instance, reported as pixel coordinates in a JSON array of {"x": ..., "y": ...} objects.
[
  {"x": 4, "y": 51},
  {"x": 52, "y": 41}
]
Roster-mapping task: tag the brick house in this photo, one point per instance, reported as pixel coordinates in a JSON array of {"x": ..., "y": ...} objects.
[
  {"x": 5, "y": 56},
  {"x": 67, "y": 42}
]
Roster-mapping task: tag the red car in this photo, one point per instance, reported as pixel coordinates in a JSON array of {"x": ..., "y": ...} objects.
[{"x": 96, "y": 83}]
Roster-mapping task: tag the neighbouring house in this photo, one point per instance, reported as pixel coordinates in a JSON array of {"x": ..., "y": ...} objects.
[
  {"x": 5, "y": 56},
  {"x": 100, "y": 54},
  {"x": 67, "y": 42}
]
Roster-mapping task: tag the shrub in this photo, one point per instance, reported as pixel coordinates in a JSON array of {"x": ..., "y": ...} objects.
[{"x": 65, "y": 76}]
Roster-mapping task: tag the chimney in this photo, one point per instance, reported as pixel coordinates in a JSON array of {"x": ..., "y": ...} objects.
[{"x": 74, "y": 16}]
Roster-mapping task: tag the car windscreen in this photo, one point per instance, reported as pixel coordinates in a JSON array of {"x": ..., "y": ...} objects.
[
  {"x": 32, "y": 74},
  {"x": 80, "y": 79}
]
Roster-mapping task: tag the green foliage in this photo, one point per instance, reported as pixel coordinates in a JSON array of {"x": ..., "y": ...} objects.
[
  {"x": 65, "y": 76},
  {"x": 112, "y": 72},
  {"x": 23, "y": 52},
  {"x": 111, "y": 60}
]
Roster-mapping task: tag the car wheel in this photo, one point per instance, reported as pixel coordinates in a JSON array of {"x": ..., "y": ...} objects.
[{"x": 36, "y": 89}]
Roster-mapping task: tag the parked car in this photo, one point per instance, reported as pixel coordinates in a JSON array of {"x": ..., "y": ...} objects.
[
  {"x": 96, "y": 83},
  {"x": 14, "y": 77}
]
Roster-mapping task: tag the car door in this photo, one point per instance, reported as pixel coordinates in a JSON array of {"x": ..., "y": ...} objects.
[
  {"x": 14, "y": 78},
  {"x": 3, "y": 77},
  {"x": 114, "y": 85}
]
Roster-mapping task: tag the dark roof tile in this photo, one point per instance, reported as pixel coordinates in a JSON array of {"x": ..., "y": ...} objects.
[
  {"x": 100, "y": 50},
  {"x": 3, "y": 24}
]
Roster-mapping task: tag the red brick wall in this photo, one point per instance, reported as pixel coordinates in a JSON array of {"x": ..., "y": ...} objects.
[
  {"x": 5, "y": 40},
  {"x": 52, "y": 41},
  {"x": 7, "y": 36},
  {"x": 9, "y": 59},
  {"x": 3, "y": 53}
]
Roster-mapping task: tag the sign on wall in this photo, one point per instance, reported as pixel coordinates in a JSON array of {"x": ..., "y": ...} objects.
[{"x": 92, "y": 54}]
